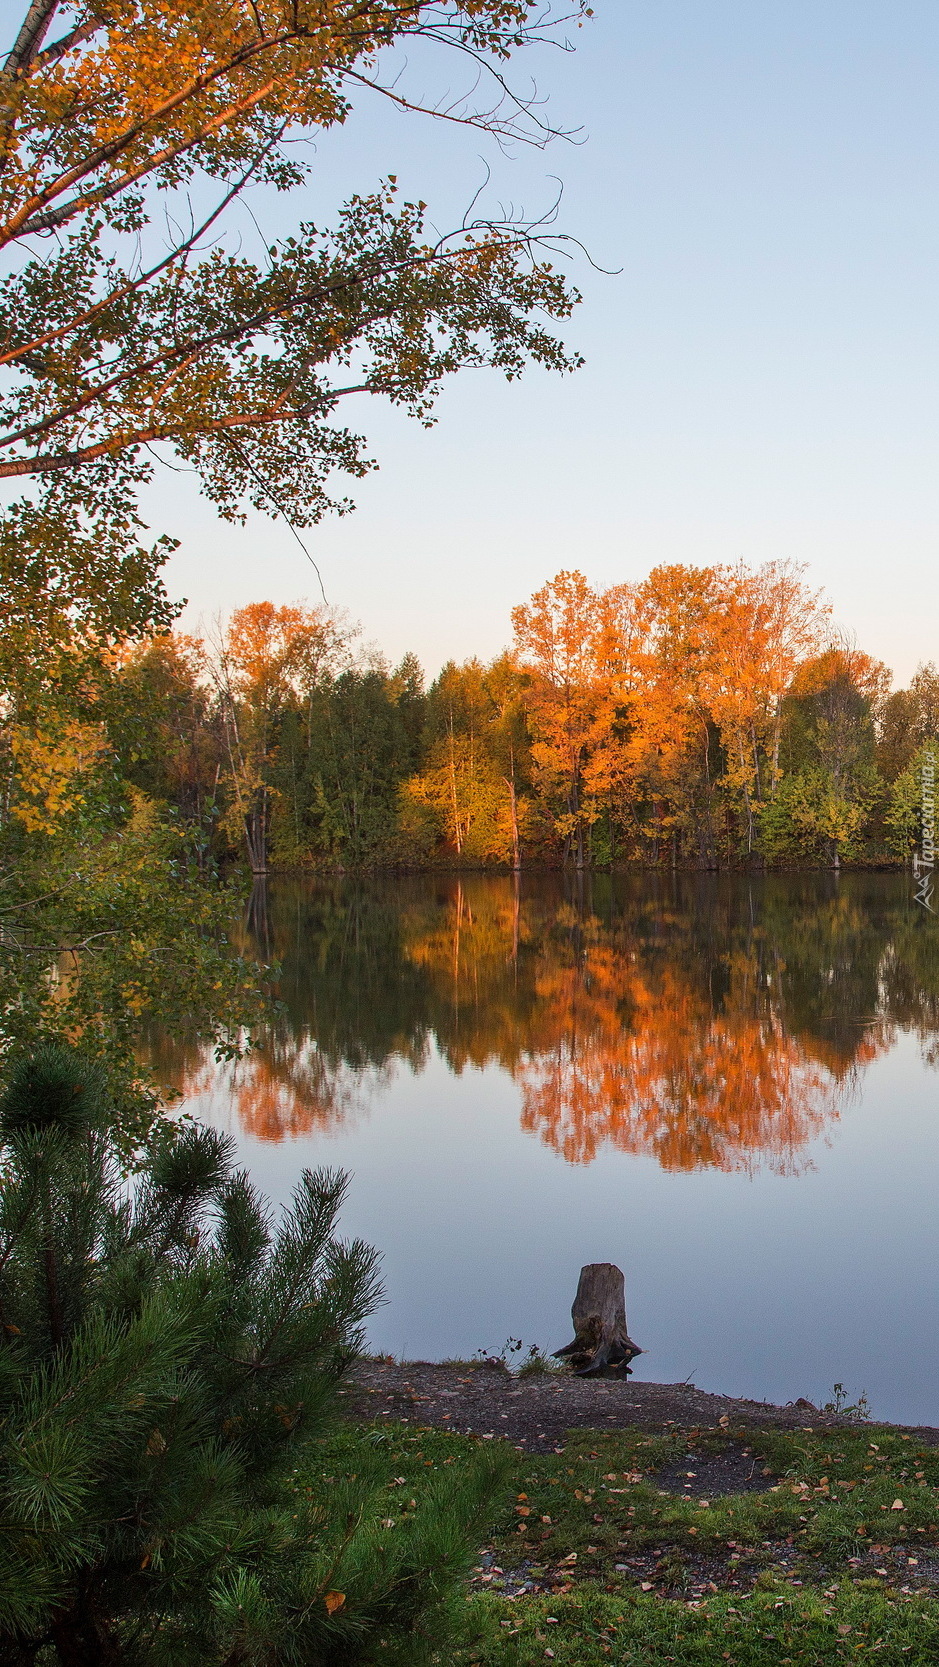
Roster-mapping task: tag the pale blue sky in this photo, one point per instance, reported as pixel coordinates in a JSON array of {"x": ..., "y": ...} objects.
[{"x": 762, "y": 377}]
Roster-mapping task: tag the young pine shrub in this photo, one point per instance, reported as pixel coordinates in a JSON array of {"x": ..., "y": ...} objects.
[{"x": 168, "y": 1358}]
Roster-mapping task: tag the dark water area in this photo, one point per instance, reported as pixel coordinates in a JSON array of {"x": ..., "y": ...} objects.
[{"x": 727, "y": 1085}]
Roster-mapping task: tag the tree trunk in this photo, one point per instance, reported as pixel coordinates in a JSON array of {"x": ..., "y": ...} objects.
[
  {"x": 601, "y": 1340},
  {"x": 81, "y": 1639},
  {"x": 513, "y": 811},
  {"x": 256, "y": 840},
  {"x": 746, "y": 795},
  {"x": 454, "y": 799}
]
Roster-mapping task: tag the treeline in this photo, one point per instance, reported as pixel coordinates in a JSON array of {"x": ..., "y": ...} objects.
[{"x": 706, "y": 716}]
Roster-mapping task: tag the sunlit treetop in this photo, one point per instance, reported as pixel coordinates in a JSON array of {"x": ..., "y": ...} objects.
[
  {"x": 99, "y": 97},
  {"x": 132, "y": 328}
]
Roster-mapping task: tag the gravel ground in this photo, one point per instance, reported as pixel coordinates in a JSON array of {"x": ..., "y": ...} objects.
[{"x": 535, "y": 1413}]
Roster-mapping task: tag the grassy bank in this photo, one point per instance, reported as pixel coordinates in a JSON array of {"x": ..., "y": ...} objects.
[{"x": 697, "y": 1547}]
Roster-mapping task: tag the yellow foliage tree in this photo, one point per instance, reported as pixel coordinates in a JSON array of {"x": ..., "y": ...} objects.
[{"x": 53, "y": 762}]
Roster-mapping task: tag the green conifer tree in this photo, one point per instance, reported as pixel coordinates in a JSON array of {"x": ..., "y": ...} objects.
[{"x": 167, "y": 1352}]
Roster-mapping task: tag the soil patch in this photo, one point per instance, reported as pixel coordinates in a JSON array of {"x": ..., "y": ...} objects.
[{"x": 703, "y": 1475}]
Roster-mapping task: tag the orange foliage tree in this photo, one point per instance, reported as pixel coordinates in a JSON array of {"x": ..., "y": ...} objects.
[
  {"x": 662, "y": 702},
  {"x": 265, "y": 658},
  {"x": 562, "y": 643}
]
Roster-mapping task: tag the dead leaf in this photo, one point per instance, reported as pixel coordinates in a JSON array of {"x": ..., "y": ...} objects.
[
  {"x": 898, "y": 1505},
  {"x": 334, "y": 1601}
]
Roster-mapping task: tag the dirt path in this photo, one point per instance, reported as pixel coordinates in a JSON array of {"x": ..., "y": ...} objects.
[{"x": 535, "y": 1412}]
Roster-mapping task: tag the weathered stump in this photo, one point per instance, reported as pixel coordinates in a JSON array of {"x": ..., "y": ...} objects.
[{"x": 601, "y": 1341}]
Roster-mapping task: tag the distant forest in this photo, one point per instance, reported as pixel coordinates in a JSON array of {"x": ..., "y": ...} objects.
[{"x": 706, "y": 717}]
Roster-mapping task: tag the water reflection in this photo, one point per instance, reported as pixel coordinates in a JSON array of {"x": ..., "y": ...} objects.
[{"x": 710, "y": 1022}]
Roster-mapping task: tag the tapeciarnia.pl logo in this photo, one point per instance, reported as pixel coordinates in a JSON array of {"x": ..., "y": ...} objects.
[{"x": 924, "y": 860}]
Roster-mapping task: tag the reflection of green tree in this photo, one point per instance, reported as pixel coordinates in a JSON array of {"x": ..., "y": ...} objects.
[
  {"x": 808, "y": 976},
  {"x": 831, "y": 940},
  {"x": 345, "y": 976},
  {"x": 911, "y": 976}
]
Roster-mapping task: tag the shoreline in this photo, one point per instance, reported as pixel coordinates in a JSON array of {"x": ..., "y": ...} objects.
[
  {"x": 536, "y": 1412},
  {"x": 405, "y": 870}
]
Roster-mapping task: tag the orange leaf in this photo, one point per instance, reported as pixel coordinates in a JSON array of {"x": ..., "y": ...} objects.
[{"x": 334, "y": 1601}]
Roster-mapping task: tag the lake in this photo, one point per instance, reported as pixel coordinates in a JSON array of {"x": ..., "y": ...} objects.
[{"x": 727, "y": 1085}]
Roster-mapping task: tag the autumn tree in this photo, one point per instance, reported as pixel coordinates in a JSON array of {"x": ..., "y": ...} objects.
[
  {"x": 658, "y": 704},
  {"x": 714, "y": 650},
  {"x": 793, "y": 622},
  {"x": 510, "y": 742},
  {"x": 908, "y": 719},
  {"x": 130, "y": 318},
  {"x": 474, "y": 766},
  {"x": 669, "y": 651},
  {"x": 829, "y": 745},
  {"x": 170, "y": 739},
  {"x": 135, "y": 327},
  {"x": 559, "y": 641},
  {"x": 266, "y": 658}
]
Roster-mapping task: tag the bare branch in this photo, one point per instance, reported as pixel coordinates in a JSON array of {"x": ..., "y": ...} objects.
[{"x": 279, "y": 506}]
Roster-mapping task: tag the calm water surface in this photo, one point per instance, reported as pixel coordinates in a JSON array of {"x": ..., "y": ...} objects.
[{"x": 727, "y": 1086}]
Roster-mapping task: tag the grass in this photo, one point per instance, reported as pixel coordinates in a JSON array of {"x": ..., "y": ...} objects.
[
  {"x": 589, "y": 1560},
  {"x": 534, "y": 1362},
  {"x": 768, "y": 1630}
]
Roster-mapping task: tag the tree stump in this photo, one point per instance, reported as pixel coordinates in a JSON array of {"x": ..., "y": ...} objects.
[{"x": 601, "y": 1341}]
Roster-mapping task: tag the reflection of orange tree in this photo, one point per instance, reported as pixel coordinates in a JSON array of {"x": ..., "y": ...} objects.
[
  {"x": 286, "y": 1089},
  {"x": 669, "y": 1022},
  {"x": 476, "y": 951},
  {"x": 616, "y": 1040},
  {"x": 643, "y": 1064}
]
